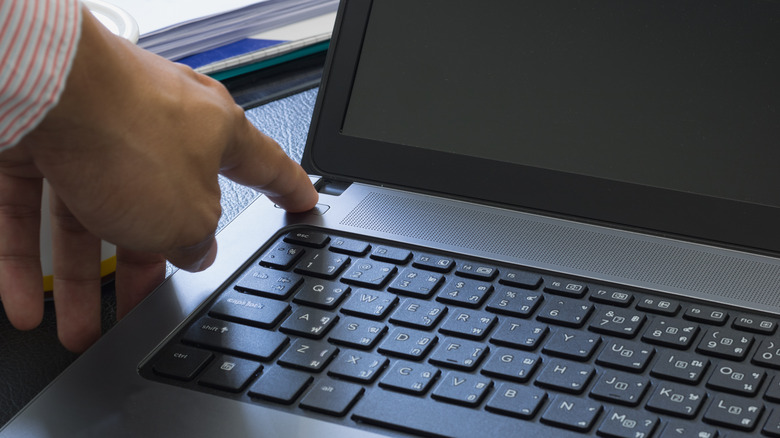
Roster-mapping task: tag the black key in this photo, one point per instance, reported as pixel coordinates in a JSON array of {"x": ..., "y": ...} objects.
[
  {"x": 624, "y": 323},
  {"x": 565, "y": 376},
  {"x": 416, "y": 283},
  {"x": 459, "y": 354},
  {"x": 321, "y": 293},
  {"x": 678, "y": 400},
  {"x": 331, "y": 397},
  {"x": 419, "y": 416},
  {"x": 280, "y": 385},
  {"x": 229, "y": 373},
  {"x": 511, "y": 364},
  {"x": 572, "y": 413},
  {"x": 736, "y": 378},
  {"x": 308, "y": 355},
  {"x": 725, "y": 343},
  {"x": 622, "y": 423},
  {"x": 313, "y": 239},
  {"x": 671, "y": 333},
  {"x": 369, "y": 304},
  {"x": 516, "y": 400},
  {"x": 620, "y": 388},
  {"x": 407, "y": 343},
  {"x": 525, "y": 280},
  {"x": 369, "y": 273},
  {"x": 734, "y": 412},
  {"x": 526, "y": 335},
  {"x": 660, "y": 306},
  {"x": 566, "y": 288},
  {"x": 420, "y": 314},
  {"x": 515, "y": 302},
  {"x": 465, "y": 292},
  {"x": 309, "y": 322},
  {"x": 565, "y": 312},
  {"x": 680, "y": 429},
  {"x": 755, "y": 324},
  {"x": 625, "y": 355},
  {"x": 248, "y": 309},
  {"x": 414, "y": 378},
  {"x": 349, "y": 246},
  {"x": 323, "y": 264},
  {"x": 238, "y": 339},
  {"x": 571, "y": 344},
  {"x": 357, "y": 333},
  {"x": 391, "y": 255},
  {"x": 772, "y": 425},
  {"x": 269, "y": 282},
  {"x": 610, "y": 296},
  {"x": 681, "y": 367},
  {"x": 768, "y": 354},
  {"x": 359, "y": 366},
  {"x": 181, "y": 362},
  {"x": 461, "y": 388},
  {"x": 707, "y": 315},
  {"x": 773, "y": 390},
  {"x": 476, "y": 271},
  {"x": 433, "y": 263},
  {"x": 282, "y": 256},
  {"x": 467, "y": 323}
]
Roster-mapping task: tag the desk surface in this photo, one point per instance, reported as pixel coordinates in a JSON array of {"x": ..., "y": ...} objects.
[{"x": 30, "y": 360}]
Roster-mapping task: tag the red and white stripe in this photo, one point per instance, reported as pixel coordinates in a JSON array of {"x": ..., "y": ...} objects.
[{"x": 38, "y": 41}]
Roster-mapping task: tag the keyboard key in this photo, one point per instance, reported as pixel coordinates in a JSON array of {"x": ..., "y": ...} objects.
[
  {"x": 679, "y": 429},
  {"x": 309, "y": 238},
  {"x": 566, "y": 288},
  {"x": 707, "y": 315},
  {"x": 465, "y": 292},
  {"x": 459, "y": 354},
  {"x": 248, "y": 309},
  {"x": 407, "y": 343},
  {"x": 414, "y": 378},
  {"x": 572, "y": 413},
  {"x": 671, "y": 333},
  {"x": 181, "y": 362},
  {"x": 768, "y": 354},
  {"x": 467, "y": 323},
  {"x": 369, "y": 304},
  {"x": 420, "y": 314},
  {"x": 522, "y": 279},
  {"x": 678, "y": 400},
  {"x": 736, "y": 378},
  {"x": 660, "y": 306},
  {"x": 510, "y": 364},
  {"x": 416, "y": 283},
  {"x": 322, "y": 264},
  {"x": 357, "y": 332},
  {"x": 369, "y": 273},
  {"x": 433, "y": 262},
  {"x": 309, "y": 322},
  {"x": 322, "y": 294},
  {"x": 680, "y": 367},
  {"x": 725, "y": 343},
  {"x": 625, "y": 355},
  {"x": 565, "y": 312},
  {"x": 280, "y": 385},
  {"x": 237, "y": 339},
  {"x": 624, "y": 323},
  {"x": 772, "y": 392},
  {"x": 623, "y": 423},
  {"x": 613, "y": 297},
  {"x": 760, "y": 325},
  {"x": 391, "y": 255},
  {"x": 514, "y": 302},
  {"x": 308, "y": 355},
  {"x": 620, "y": 388},
  {"x": 349, "y": 246},
  {"x": 515, "y": 333},
  {"x": 476, "y": 271},
  {"x": 229, "y": 373},
  {"x": 461, "y": 388},
  {"x": 516, "y": 400},
  {"x": 734, "y": 412},
  {"x": 772, "y": 426},
  {"x": 331, "y": 397},
  {"x": 358, "y": 366},
  {"x": 565, "y": 376},
  {"x": 571, "y": 344},
  {"x": 269, "y": 283},
  {"x": 282, "y": 256}
]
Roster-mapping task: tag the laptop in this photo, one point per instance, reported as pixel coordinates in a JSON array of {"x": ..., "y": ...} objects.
[{"x": 536, "y": 219}]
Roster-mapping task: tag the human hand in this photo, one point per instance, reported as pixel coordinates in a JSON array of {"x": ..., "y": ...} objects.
[{"x": 132, "y": 152}]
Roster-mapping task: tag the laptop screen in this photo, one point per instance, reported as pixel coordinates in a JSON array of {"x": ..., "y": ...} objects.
[{"x": 663, "y": 115}]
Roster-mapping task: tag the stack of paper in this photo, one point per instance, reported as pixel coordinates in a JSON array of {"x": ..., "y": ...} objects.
[{"x": 213, "y": 36}]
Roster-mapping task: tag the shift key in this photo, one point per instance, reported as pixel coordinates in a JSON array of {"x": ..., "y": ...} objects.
[{"x": 237, "y": 339}]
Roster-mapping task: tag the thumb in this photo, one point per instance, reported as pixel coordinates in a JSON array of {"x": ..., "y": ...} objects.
[{"x": 196, "y": 257}]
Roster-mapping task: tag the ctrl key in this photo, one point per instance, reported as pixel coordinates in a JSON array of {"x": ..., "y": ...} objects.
[{"x": 181, "y": 362}]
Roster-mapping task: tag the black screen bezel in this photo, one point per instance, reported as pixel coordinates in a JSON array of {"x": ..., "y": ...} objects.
[{"x": 339, "y": 157}]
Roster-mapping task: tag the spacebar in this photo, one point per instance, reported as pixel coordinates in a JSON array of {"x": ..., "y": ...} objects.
[{"x": 426, "y": 417}]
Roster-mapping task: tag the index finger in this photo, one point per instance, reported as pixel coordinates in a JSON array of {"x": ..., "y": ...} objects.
[{"x": 256, "y": 160}]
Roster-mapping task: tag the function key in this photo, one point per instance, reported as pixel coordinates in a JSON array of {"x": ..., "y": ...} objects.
[
  {"x": 525, "y": 280},
  {"x": 755, "y": 324},
  {"x": 433, "y": 262},
  {"x": 477, "y": 271},
  {"x": 308, "y": 238},
  {"x": 611, "y": 296},
  {"x": 349, "y": 246},
  {"x": 707, "y": 315},
  {"x": 391, "y": 255},
  {"x": 566, "y": 288},
  {"x": 659, "y": 306}
]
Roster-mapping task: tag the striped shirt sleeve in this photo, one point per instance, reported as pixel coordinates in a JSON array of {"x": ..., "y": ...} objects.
[{"x": 38, "y": 41}]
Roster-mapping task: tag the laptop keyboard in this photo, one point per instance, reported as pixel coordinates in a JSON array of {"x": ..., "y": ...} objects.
[{"x": 374, "y": 334}]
